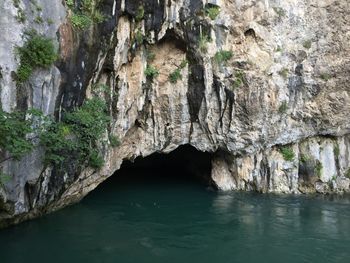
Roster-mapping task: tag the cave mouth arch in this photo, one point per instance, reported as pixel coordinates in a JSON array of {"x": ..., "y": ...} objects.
[{"x": 184, "y": 164}]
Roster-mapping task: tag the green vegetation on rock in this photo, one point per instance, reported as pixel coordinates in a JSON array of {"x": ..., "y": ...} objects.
[
  {"x": 223, "y": 56},
  {"x": 325, "y": 76},
  {"x": 80, "y": 21},
  {"x": 279, "y": 11},
  {"x": 304, "y": 158},
  {"x": 176, "y": 74},
  {"x": 284, "y": 73},
  {"x": 85, "y": 14},
  {"x": 139, "y": 37},
  {"x": 4, "y": 178},
  {"x": 318, "y": 168},
  {"x": 203, "y": 42},
  {"x": 140, "y": 14},
  {"x": 336, "y": 150},
  {"x": 238, "y": 80},
  {"x": 37, "y": 52},
  {"x": 77, "y": 135},
  {"x": 287, "y": 153},
  {"x": 151, "y": 72},
  {"x": 283, "y": 107},
  {"x": 20, "y": 16},
  {"x": 212, "y": 12},
  {"x": 76, "y": 138},
  {"x": 14, "y": 128},
  {"x": 307, "y": 44}
]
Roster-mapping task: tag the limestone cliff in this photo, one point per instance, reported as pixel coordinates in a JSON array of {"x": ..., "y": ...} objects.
[{"x": 262, "y": 85}]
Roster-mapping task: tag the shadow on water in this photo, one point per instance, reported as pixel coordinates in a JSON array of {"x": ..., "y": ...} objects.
[{"x": 159, "y": 209}]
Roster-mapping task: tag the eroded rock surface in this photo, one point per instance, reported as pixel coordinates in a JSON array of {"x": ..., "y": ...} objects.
[{"x": 286, "y": 85}]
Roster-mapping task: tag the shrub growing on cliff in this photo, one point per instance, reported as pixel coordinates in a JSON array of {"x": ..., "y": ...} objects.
[
  {"x": 151, "y": 72},
  {"x": 77, "y": 135},
  {"x": 38, "y": 51},
  {"x": 85, "y": 13},
  {"x": 287, "y": 153},
  {"x": 212, "y": 11},
  {"x": 283, "y": 107},
  {"x": 13, "y": 130},
  {"x": 238, "y": 80},
  {"x": 139, "y": 37},
  {"x": 176, "y": 74},
  {"x": 223, "y": 56},
  {"x": 139, "y": 14},
  {"x": 307, "y": 44},
  {"x": 80, "y": 21},
  {"x": 203, "y": 42},
  {"x": 114, "y": 141},
  {"x": 3, "y": 178},
  {"x": 318, "y": 168}
]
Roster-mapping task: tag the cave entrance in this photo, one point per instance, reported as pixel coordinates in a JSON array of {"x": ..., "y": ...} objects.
[{"x": 184, "y": 165}]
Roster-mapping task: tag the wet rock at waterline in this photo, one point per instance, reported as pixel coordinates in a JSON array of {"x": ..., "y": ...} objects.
[{"x": 263, "y": 86}]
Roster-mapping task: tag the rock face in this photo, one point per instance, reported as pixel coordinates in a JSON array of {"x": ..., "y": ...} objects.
[{"x": 274, "y": 115}]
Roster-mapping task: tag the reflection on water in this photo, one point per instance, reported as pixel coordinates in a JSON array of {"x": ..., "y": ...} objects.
[{"x": 177, "y": 221}]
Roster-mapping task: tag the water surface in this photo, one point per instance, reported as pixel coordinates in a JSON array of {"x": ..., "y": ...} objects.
[{"x": 171, "y": 219}]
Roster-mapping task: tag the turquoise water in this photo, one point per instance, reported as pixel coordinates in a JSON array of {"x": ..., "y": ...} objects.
[{"x": 173, "y": 219}]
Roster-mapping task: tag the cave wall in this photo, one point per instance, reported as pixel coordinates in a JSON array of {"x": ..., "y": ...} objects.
[{"x": 286, "y": 84}]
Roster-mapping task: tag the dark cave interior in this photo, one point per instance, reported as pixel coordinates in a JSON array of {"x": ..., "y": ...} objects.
[{"x": 183, "y": 164}]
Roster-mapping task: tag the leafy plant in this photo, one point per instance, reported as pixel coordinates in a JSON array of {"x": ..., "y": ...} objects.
[
  {"x": 70, "y": 3},
  {"x": 4, "y": 178},
  {"x": 139, "y": 37},
  {"x": 183, "y": 63},
  {"x": 203, "y": 42},
  {"x": 318, "y": 168},
  {"x": 150, "y": 56},
  {"x": 140, "y": 13},
  {"x": 14, "y": 128},
  {"x": 37, "y": 51},
  {"x": 16, "y": 3},
  {"x": 307, "y": 44},
  {"x": 77, "y": 135},
  {"x": 49, "y": 21},
  {"x": 59, "y": 143},
  {"x": 175, "y": 76},
  {"x": 80, "y": 21},
  {"x": 95, "y": 160},
  {"x": 279, "y": 11},
  {"x": 325, "y": 76},
  {"x": 212, "y": 11},
  {"x": 336, "y": 150},
  {"x": 151, "y": 72},
  {"x": 223, "y": 56},
  {"x": 114, "y": 141},
  {"x": 38, "y": 20},
  {"x": 279, "y": 49},
  {"x": 287, "y": 153},
  {"x": 85, "y": 14},
  {"x": 283, "y": 107},
  {"x": 238, "y": 80},
  {"x": 20, "y": 16},
  {"x": 284, "y": 73},
  {"x": 304, "y": 158}
]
